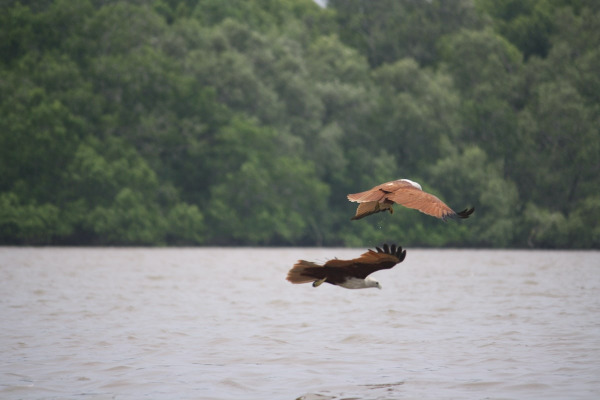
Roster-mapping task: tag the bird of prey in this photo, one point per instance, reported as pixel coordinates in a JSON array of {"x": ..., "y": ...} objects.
[
  {"x": 406, "y": 193},
  {"x": 350, "y": 274}
]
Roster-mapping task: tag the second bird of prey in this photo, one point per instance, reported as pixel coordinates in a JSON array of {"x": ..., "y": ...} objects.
[{"x": 406, "y": 193}]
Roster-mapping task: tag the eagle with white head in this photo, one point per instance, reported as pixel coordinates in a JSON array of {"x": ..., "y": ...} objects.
[
  {"x": 349, "y": 274},
  {"x": 406, "y": 193}
]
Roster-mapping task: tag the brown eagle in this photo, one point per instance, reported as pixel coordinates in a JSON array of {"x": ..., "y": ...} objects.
[
  {"x": 406, "y": 193},
  {"x": 350, "y": 274}
]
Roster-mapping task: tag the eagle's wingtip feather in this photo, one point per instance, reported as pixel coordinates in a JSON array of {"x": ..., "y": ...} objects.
[{"x": 466, "y": 212}]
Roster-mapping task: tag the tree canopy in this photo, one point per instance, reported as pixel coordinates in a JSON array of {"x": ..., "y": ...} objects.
[{"x": 229, "y": 122}]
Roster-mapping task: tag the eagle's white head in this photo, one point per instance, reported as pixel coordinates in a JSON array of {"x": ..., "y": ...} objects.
[
  {"x": 370, "y": 282},
  {"x": 358, "y": 283},
  {"x": 415, "y": 184}
]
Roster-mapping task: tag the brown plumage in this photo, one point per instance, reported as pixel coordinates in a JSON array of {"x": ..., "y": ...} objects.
[
  {"x": 406, "y": 193},
  {"x": 350, "y": 274}
]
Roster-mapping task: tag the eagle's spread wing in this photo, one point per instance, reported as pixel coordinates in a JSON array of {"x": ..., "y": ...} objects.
[
  {"x": 369, "y": 262},
  {"x": 419, "y": 200}
]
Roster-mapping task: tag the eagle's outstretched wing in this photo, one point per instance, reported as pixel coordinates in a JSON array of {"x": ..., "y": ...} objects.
[{"x": 371, "y": 261}]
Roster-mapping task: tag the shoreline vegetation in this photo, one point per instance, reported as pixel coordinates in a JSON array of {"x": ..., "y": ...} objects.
[{"x": 236, "y": 123}]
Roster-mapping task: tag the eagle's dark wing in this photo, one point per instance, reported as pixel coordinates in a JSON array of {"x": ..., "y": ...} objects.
[{"x": 369, "y": 262}]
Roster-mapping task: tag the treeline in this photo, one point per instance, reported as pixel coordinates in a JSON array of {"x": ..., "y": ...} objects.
[{"x": 235, "y": 122}]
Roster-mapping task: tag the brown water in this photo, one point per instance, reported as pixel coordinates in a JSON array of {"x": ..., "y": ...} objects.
[{"x": 224, "y": 324}]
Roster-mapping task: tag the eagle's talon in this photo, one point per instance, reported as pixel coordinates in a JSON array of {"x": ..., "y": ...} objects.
[{"x": 319, "y": 282}]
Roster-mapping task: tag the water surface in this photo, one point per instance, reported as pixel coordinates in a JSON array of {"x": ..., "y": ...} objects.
[{"x": 222, "y": 323}]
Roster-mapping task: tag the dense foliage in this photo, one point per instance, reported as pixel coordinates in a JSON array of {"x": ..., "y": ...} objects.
[{"x": 234, "y": 122}]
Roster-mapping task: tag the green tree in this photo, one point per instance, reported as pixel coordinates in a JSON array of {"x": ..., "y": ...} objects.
[
  {"x": 491, "y": 90},
  {"x": 296, "y": 18},
  {"x": 38, "y": 135},
  {"x": 232, "y": 122},
  {"x": 114, "y": 197},
  {"x": 562, "y": 148},
  {"x": 470, "y": 179},
  {"x": 527, "y": 24},
  {"x": 386, "y": 31},
  {"x": 130, "y": 219},
  {"x": 17, "y": 33},
  {"x": 185, "y": 225},
  {"x": 265, "y": 194},
  {"x": 29, "y": 223},
  {"x": 417, "y": 116}
]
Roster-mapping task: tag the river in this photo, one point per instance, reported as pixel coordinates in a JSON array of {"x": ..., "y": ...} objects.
[{"x": 223, "y": 323}]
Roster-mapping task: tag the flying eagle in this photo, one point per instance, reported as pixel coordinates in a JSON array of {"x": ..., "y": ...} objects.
[
  {"x": 350, "y": 274},
  {"x": 406, "y": 193}
]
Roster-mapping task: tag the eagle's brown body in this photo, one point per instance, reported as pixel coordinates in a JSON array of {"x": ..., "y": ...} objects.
[
  {"x": 406, "y": 193},
  {"x": 351, "y": 274}
]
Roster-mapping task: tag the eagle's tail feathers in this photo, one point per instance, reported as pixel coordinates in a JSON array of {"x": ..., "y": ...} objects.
[{"x": 305, "y": 272}]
